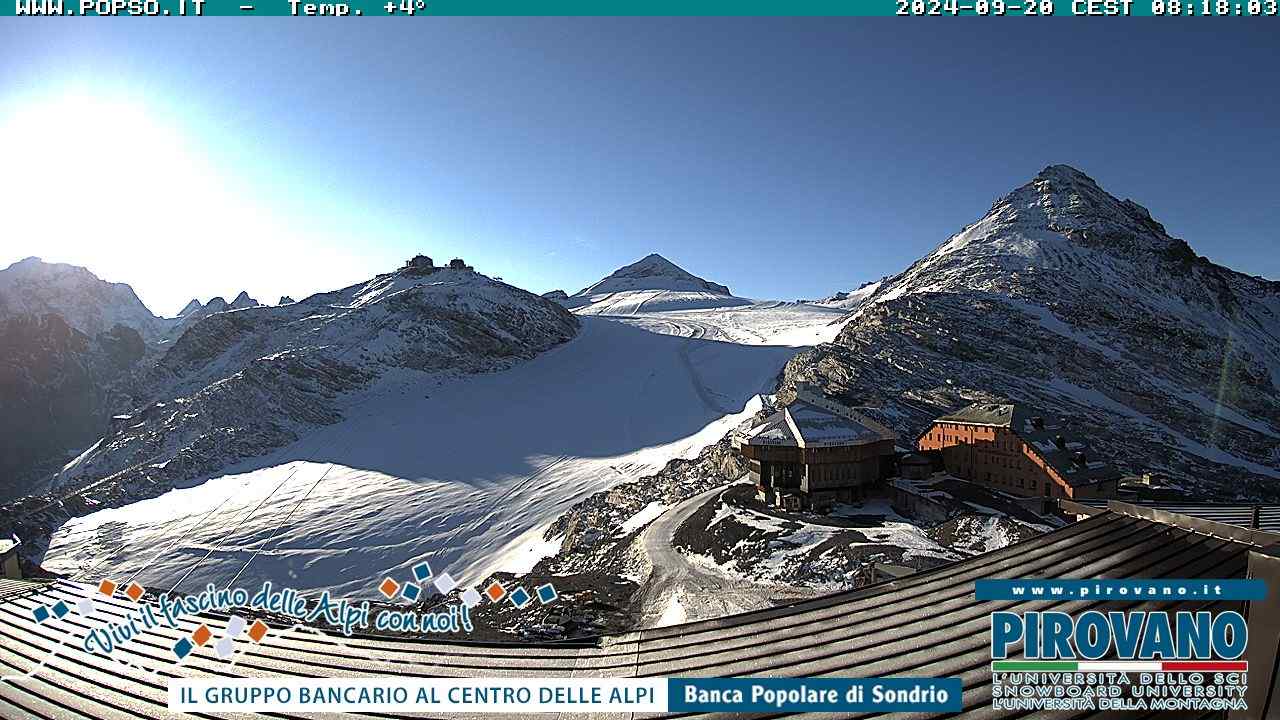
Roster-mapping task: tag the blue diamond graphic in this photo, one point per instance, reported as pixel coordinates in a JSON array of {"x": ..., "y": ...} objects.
[
  {"x": 422, "y": 572},
  {"x": 411, "y": 592},
  {"x": 41, "y": 612},
  {"x": 60, "y": 610},
  {"x": 546, "y": 593},
  {"x": 520, "y": 597},
  {"x": 182, "y": 648}
]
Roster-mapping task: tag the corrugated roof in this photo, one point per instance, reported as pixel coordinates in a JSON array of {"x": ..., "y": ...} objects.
[
  {"x": 924, "y": 625},
  {"x": 1267, "y": 517}
]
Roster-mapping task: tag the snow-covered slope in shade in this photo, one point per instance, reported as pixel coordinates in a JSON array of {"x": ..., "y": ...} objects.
[
  {"x": 88, "y": 304},
  {"x": 238, "y": 383},
  {"x": 1081, "y": 304},
  {"x": 465, "y": 473},
  {"x": 652, "y": 284}
]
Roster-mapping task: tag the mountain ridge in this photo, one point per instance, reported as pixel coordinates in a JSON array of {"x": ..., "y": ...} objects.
[{"x": 1068, "y": 298}]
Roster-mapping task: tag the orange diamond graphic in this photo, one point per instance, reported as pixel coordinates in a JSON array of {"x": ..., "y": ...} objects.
[
  {"x": 495, "y": 591},
  {"x": 389, "y": 588},
  {"x": 258, "y": 630},
  {"x": 134, "y": 591},
  {"x": 107, "y": 587},
  {"x": 201, "y": 635}
]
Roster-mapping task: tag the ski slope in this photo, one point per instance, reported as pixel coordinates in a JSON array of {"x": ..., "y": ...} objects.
[{"x": 465, "y": 473}]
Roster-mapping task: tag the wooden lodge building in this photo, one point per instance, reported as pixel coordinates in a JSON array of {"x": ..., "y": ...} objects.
[
  {"x": 1008, "y": 448},
  {"x": 815, "y": 452}
]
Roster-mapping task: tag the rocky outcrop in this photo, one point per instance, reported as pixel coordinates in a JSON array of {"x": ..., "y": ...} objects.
[{"x": 54, "y": 392}]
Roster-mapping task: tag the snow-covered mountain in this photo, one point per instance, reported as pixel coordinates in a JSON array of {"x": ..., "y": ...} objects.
[
  {"x": 852, "y": 299},
  {"x": 88, "y": 304},
  {"x": 651, "y": 284},
  {"x": 467, "y": 471},
  {"x": 65, "y": 337},
  {"x": 240, "y": 382},
  {"x": 1081, "y": 304}
]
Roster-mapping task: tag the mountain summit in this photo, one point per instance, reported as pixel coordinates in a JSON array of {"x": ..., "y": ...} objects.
[
  {"x": 1078, "y": 303},
  {"x": 654, "y": 272},
  {"x": 88, "y": 304},
  {"x": 652, "y": 283}
]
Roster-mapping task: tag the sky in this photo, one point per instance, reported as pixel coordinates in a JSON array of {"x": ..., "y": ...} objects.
[{"x": 786, "y": 158}]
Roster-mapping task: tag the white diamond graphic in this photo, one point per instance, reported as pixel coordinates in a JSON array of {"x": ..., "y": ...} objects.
[
  {"x": 225, "y": 648},
  {"x": 235, "y": 626},
  {"x": 470, "y": 597},
  {"x": 86, "y": 607},
  {"x": 445, "y": 582}
]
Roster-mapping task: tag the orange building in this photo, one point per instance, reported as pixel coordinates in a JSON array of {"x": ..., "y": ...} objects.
[{"x": 1007, "y": 448}]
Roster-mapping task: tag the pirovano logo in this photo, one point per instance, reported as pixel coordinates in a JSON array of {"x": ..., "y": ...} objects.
[{"x": 1120, "y": 660}]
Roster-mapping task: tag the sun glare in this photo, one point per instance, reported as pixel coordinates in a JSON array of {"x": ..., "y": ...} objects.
[{"x": 110, "y": 184}]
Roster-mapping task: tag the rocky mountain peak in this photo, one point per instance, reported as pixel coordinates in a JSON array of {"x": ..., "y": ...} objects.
[
  {"x": 654, "y": 272},
  {"x": 88, "y": 304},
  {"x": 1063, "y": 199},
  {"x": 243, "y": 301},
  {"x": 190, "y": 307}
]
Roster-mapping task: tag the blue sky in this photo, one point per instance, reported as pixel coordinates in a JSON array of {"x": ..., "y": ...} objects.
[{"x": 785, "y": 158}]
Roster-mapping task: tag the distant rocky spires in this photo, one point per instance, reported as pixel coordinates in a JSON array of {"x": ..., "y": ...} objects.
[
  {"x": 243, "y": 301},
  {"x": 286, "y": 300}
]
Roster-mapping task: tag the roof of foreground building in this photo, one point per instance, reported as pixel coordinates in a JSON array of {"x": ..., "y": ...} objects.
[
  {"x": 812, "y": 420},
  {"x": 926, "y": 624}
]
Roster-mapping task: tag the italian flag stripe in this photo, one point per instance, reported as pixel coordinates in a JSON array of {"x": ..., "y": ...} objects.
[{"x": 1118, "y": 666}]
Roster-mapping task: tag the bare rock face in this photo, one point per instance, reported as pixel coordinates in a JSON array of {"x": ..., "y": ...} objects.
[
  {"x": 54, "y": 392},
  {"x": 1081, "y": 304}
]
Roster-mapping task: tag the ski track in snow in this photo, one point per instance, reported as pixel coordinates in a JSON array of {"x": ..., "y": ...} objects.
[{"x": 465, "y": 473}]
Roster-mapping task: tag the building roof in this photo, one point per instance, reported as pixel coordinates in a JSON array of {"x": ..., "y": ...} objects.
[
  {"x": 998, "y": 414},
  {"x": 773, "y": 431},
  {"x": 820, "y": 427},
  {"x": 1256, "y": 517},
  {"x": 812, "y": 420},
  {"x": 926, "y": 624},
  {"x": 1051, "y": 438}
]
